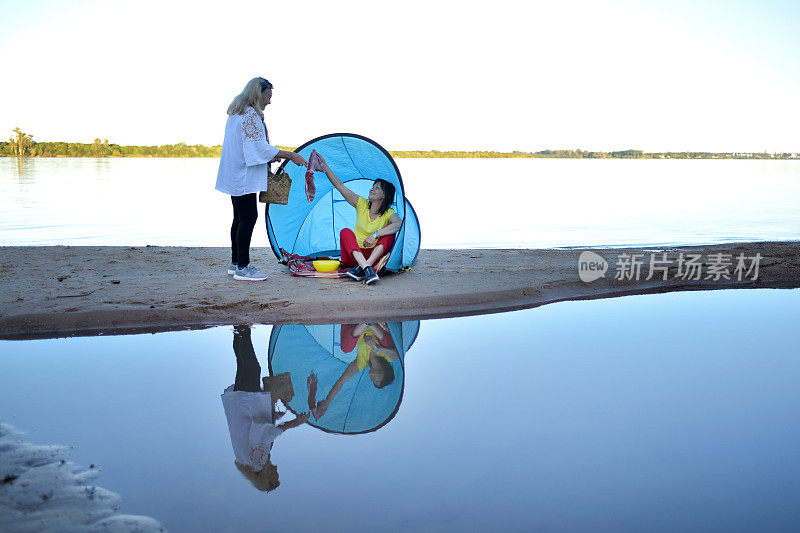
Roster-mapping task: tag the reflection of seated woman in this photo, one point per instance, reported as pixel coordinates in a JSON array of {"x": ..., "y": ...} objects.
[
  {"x": 376, "y": 224},
  {"x": 374, "y": 348},
  {"x": 251, "y": 416}
]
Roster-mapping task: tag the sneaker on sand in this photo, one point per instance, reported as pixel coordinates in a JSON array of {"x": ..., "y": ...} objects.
[
  {"x": 357, "y": 273},
  {"x": 232, "y": 268},
  {"x": 370, "y": 275},
  {"x": 249, "y": 273}
]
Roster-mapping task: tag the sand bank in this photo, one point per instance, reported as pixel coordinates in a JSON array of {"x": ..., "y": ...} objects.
[{"x": 75, "y": 290}]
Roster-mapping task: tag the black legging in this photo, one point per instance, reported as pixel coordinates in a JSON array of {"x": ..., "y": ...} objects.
[
  {"x": 248, "y": 371},
  {"x": 245, "y": 214}
]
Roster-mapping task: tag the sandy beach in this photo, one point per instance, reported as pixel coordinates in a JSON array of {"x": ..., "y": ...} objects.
[{"x": 71, "y": 290}]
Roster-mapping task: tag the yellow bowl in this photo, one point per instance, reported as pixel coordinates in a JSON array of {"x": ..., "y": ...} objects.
[{"x": 326, "y": 265}]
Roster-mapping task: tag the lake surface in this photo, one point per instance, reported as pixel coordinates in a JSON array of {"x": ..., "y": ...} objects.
[
  {"x": 670, "y": 412},
  {"x": 658, "y": 412},
  {"x": 460, "y": 202}
]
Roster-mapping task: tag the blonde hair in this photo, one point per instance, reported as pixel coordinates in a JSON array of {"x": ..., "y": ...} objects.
[
  {"x": 264, "y": 480},
  {"x": 250, "y": 96}
]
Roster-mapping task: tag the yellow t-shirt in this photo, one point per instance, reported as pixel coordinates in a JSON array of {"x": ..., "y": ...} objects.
[
  {"x": 364, "y": 226},
  {"x": 363, "y": 349}
]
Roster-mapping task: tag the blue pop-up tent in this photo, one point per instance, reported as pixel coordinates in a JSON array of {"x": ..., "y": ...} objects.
[
  {"x": 359, "y": 407},
  {"x": 312, "y": 228}
]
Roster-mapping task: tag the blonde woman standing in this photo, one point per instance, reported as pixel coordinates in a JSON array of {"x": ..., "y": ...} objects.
[{"x": 243, "y": 167}]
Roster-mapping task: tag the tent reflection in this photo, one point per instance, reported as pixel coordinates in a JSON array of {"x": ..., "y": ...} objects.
[{"x": 359, "y": 371}]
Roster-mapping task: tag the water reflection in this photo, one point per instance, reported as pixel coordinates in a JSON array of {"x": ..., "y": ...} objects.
[
  {"x": 25, "y": 169},
  {"x": 339, "y": 378},
  {"x": 374, "y": 349},
  {"x": 102, "y": 169},
  {"x": 252, "y": 415},
  {"x": 350, "y": 376},
  {"x": 584, "y": 431},
  {"x": 99, "y": 202}
]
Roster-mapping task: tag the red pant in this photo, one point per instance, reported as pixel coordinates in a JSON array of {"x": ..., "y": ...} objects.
[
  {"x": 348, "y": 341},
  {"x": 348, "y": 243}
]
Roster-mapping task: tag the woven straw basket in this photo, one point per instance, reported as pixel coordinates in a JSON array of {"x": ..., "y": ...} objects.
[{"x": 278, "y": 187}]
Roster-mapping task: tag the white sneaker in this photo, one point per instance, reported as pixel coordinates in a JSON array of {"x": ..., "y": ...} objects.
[
  {"x": 249, "y": 273},
  {"x": 232, "y": 268}
]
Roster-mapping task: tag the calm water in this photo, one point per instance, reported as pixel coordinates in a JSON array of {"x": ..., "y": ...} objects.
[
  {"x": 660, "y": 412},
  {"x": 671, "y": 412},
  {"x": 460, "y": 203}
]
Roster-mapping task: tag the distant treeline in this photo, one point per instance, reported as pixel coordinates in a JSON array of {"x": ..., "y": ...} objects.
[
  {"x": 22, "y": 145},
  {"x": 104, "y": 149}
]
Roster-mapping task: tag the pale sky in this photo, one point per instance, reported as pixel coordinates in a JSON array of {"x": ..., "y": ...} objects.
[{"x": 499, "y": 75}]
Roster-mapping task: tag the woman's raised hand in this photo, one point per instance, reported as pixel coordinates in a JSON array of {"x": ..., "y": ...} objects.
[
  {"x": 322, "y": 162},
  {"x": 320, "y": 409}
]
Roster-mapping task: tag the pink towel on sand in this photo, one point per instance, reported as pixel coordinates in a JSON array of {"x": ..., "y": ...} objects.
[{"x": 314, "y": 164}]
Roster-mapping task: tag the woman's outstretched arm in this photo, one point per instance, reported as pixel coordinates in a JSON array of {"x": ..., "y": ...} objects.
[
  {"x": 322, "y": 407},
  {"x": 350, "y": 196},
  {"x": 294, "y": 157},
  {"x": 300, "y": 419}
]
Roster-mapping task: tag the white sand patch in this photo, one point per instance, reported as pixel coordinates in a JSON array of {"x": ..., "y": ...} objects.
[{"x": 42, "y": 490}]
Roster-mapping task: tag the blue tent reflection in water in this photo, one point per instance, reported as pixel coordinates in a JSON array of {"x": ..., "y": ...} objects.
[{"x": 331, "y": 353}]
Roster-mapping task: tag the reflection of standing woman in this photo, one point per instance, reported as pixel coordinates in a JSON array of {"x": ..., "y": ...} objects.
[
  {"x": 251, "y": 416},
  {"x": 243, "y": 167}
]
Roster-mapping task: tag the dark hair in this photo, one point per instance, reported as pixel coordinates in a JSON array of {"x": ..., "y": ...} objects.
[
  {"x": 265, "y": 84},
  {"x": 388, "y": 372},
  {"x": 388, "y": 195}
]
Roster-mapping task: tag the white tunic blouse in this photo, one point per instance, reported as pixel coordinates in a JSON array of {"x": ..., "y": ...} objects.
[
  {"x": 245, "y": 154},
  {"x": 251, "y": 426}
]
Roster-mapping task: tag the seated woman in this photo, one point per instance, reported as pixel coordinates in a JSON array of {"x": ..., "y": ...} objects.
[{"x": 376, "y": 224}]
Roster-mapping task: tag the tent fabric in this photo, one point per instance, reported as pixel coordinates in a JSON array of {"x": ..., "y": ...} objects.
[
  {"x": 312, "y": 228},
  {"x": 359, "y": 407}
]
